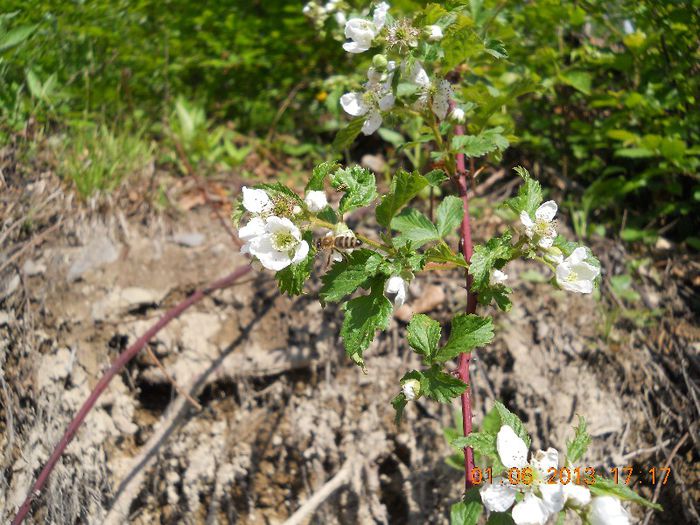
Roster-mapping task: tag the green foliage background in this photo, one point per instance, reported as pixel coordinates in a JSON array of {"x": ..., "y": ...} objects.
[{"x": 604, "y": 94}]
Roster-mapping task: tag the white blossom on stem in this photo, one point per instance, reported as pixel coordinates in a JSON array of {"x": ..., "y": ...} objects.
[
  {"x": 436, "y": 95},
  {"x": 541, "y": 500},
  {"x": 575, "y": 274},
  {"x": 396, "y": 285},
  {"x": 606, "y": 510},
  {"x": 376, "y": 98},
  {"x": 457, "y": 115},
  {"x": 316, "y": 201},
  {"x": 276, "y": 242},
  {"x": 542, "y": 229},
  {"x": 362, "y": 32}
]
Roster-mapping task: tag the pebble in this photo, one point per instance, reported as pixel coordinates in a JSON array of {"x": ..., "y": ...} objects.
[
  {"x": 190, "y": 240},
  {"x": 31, "y": 268},
  {"x": 99, "y": 251}
]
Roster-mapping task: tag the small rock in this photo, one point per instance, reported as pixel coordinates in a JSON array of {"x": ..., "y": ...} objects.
[
  {"x": 4, "y": 318},
  {"x": 663, "y": 244},
  {"x": 99, "y": 251},
  {"x": 31, "y": 268},
  {"x": 191, "y": 239},
  {"x": 432, "y": 297},
  {"x": 124, "y": 300},
  {"x": 9, "y": 286},
  {"x": 375, "y": 163}
]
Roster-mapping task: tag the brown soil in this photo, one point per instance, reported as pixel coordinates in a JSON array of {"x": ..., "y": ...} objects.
[{"x": 283, "y": 409}]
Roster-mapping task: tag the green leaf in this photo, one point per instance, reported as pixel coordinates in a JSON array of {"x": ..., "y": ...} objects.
[
  {"x": 495, "y": 48},
  {"x": 634, "y": 153},
  {"x": 404, "y": 187},
  {"x": 578, "y": 446},
  {"x": 449, "y": 215},
  {"x": 440, "y": 386},
  {"x": 415, "y": 228},
  {"x": 424, "y": 335},
  {"x": 483, "y": 443},
  {"x": 513, "y": 421},
  {"x": 498, "y": 293},
  {"x": 467, "y": 512},
  {"x": 441, "y": 253},
  {"x": 529, "y": 195},
  {"x": 579, "y": 80},
  {"x": 481, "y": 144},
  {"x": 292, "y": 278},
  {"x": 392, "y": 137},
  {"x": 15, "y": 37},
  {"x": 500, "y": 518},
  {"x": 359, "y": 186},
  {"x": 348, "y": 134},
  {"x": 319, "y": 174},
  {"x": 495, "y": 254},
  {"x": 608, "y": 487},
  {"x": 469, "y": 331},
  {"x": 281, "y": 190},
  {"x": 348, "y": 275},
  {"x": 399, "y": 404},
  {"x": 363, "y": 317},
  {"x": 435, "y": 177}
]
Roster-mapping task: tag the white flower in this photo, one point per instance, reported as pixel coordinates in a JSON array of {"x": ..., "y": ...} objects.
[
  {"x": 316, "y": 201},
  {"x": 376, "y": 98},
  {"x": 361, "y": 32},
  {"x": 457, "y": 115},
  {"x": 534, "y": 509},
  {"x": 411, "y": 389},
  {"x": 340, "y": 18},
  {"x": 256, "y": 201},
  {"x": 606, "y": 510},
  {"x": 275, "y": 241},
  {"x": 575, "y": 274},
  {"x": 396, "y": 285},
  {"x": 434, "y": 33},
  {"x": 542, "y": 228},
  {"x": 497, "y": 277},
  {"x": 437, "y": 95}
]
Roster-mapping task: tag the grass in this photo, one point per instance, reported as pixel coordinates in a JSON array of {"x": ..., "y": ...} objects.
[{"x": 98, "y": 159}]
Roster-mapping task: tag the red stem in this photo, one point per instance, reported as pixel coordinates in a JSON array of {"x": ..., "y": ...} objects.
[
  {"x": 463, "y": 367},
  {"x": 126, "y": 356}
]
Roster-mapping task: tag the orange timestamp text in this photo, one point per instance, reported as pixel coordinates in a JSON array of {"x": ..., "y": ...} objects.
[{"x": 566, "y": 475}]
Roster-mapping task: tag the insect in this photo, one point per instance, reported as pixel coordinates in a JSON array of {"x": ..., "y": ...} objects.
[{"x": 337, "y": 244}]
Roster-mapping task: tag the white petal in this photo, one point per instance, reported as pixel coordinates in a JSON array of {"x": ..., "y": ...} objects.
[
  {"x": 546, "y": 211},
  {"x": 497, "y": 277},
  {"x": 434, "y": 33},
  {"x": 301, "y": 252},
  {"x": 353, "y": 104},
  {"x": 498, "y": 496},
  {"x": 336, "y": 257},
  {"x": 562, "y": 272},
  {"x": 527, "y": 221},
  {"x": 355, "y": 47},
  {"x": 546, "y": 242},
  {"x": 441, "y": 101},
  {"x": 606, "y": 510},
  {"x": 542, "y": 461},
  {"x": 410, "y": 388},
  {"x": 577, "y": 495},
  {"x": 279, "y": 224},
  {"x": 255, "y": 200},
  {"x": 386, "y": 102},
  {"x": 553, "y": 496},
  {"x": 419, "y": 76},
  {"x": 360, "y": 30},
  {"x": 316, "y": 200},
  {"x": 379, "y": 16},
  {"x": 254, "y": 228},
  {"x": 578, "y": 255},
  {"x": 396, "y": 285},
  {"x": 577, "y": 286},
  {"x": 530, "y": 511},
  {"x": 374, "y": 120},
  {"x": 586, "y": 271},
  {"x": 373, "y": 75},
  {"x": 511, "y": 449}
]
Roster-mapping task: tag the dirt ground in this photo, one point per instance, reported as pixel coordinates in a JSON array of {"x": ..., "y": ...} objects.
[{"x": 284, "y": 414}]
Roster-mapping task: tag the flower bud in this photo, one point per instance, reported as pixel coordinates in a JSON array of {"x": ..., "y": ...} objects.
[
  {"x": 411, "y": 389},
  {"x": 457, "y": 115},
  {"x": 434, "y": 33},
  {"x": 316, "y": 201},
  {"x": 379, "y": 61}
]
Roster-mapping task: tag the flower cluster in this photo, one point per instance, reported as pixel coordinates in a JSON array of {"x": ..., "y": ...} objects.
[
  {"x": 573, "y": 273},
  {"x": 541, "y": 500},
  {"x": 378, "y": 97},
  {"x": 319, "y": 12}
]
